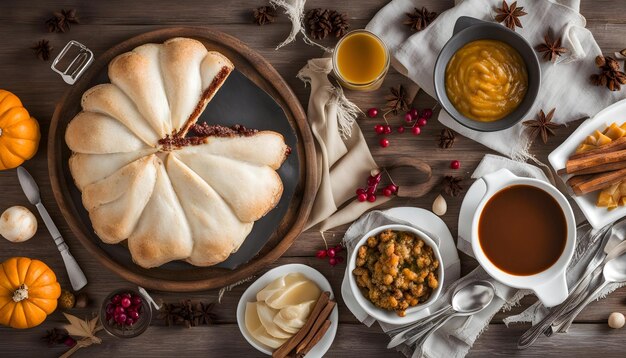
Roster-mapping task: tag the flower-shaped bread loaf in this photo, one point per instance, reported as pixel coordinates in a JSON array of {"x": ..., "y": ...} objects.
[{"x": 173, "y": 197}]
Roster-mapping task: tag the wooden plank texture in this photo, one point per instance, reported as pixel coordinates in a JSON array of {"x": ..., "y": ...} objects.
[{"x": 106, "y": 23}]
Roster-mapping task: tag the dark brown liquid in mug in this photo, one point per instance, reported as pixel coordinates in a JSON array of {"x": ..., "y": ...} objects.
[{"x": 522, "y": 230}]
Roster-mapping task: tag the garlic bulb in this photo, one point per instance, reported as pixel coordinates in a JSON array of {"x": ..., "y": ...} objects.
[
  {"x": 17, "y": 224},
  {"x": 616, "y": 320},
  {"x": 440, "y": 206}
]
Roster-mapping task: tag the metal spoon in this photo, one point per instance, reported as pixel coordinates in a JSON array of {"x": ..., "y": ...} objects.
[
  {"x": 467, "y": 300},
  {"x": 614, "y": 271}
]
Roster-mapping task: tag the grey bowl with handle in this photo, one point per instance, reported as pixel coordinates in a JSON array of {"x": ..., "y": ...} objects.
[{"x": 468, "y": 29}]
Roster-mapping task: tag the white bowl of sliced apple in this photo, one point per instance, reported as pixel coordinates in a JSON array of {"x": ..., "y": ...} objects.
[{"x": 278, "y": 304}]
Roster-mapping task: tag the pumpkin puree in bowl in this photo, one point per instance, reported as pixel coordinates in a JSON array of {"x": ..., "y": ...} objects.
[{"x": 486, "y": 80}]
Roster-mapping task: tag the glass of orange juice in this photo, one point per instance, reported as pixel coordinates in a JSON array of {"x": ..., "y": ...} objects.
[{"x": 360, "y": 61}]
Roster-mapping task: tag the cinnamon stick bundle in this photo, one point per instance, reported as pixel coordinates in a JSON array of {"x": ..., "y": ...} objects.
[
  {"x": 573, "y": 166},
  {"x": 284, "y": 350},
  {"x": 598, "y": 181},
  {"x": 316, "y": 326}
]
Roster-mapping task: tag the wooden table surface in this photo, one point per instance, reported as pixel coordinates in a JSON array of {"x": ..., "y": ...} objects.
[{"x": 106, "y": 23}]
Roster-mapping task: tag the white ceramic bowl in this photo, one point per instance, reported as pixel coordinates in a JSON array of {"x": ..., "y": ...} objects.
[
  {"x": 250, "y": 296},
  {"x": 379, "y": 313},
  {"x": 597, "y": 217}
]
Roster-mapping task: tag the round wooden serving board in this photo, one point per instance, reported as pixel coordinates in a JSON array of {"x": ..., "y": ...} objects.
[{"x": 268, "y": 104}]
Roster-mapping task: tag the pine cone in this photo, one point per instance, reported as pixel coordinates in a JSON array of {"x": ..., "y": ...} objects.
[
  {"x": 319, "y": 23},
  {"x": 263, "y": 15},
  {"x": 340, "y": 23}
]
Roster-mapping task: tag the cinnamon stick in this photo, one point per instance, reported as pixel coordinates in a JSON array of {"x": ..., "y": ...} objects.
[
  {"x": 318, "y": 323},
  {"x": 601, "y": 158},
  {"x": 602, "y": 168},
  {"x": 292, "y": 342},
  {"x": 578, "y": 179},
  {"x": 599, "y": 181},
  {"x": 618, "y": 144},
  {"x": 316, "y": 338}
]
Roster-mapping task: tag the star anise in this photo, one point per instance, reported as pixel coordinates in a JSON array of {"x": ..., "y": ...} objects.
[
  {"x": 446, "y": 138},
  {"x": 42, "y": 50},
  {"x": 419, "y": 19},
  {"x": 168, "y": 313},
  {"x": 339, "y": 22},
  {"x": 55, "y": 336},
  {"x": 542, "y": 125},
  {"x": 319, "y": 23},
  {"x": 611, "y": 76},
  {"x": 510, "y": 15},
  {"x": 61, "y": 20},
  {"x": 397, "y": 101},
  {"x": 264, "y": 15},
  {"x": 206, "y": 315},
  {"x": 452, "y": 185},
  {"x": 551, "y": 49}
]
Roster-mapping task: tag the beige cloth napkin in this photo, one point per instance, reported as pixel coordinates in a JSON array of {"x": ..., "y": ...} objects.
[
  {"x": 343, "y": 158},
  {"x": 564, "y": 85}
]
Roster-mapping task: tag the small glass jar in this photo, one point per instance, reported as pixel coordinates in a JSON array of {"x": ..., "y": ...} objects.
[
  {"x": 132, "y": 329},
  {"x": 361, "y": 49}
]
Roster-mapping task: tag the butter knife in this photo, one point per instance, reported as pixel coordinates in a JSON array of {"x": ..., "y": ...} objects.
[{"x": 30, "y": 188}]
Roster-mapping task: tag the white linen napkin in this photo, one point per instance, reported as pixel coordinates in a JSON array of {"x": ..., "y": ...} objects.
[{"x": 564, "y": 85}]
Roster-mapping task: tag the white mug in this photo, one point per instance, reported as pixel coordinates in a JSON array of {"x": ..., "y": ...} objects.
[{"x": 549, "y": 285}]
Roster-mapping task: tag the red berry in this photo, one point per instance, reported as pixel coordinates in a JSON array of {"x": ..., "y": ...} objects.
[
  {"x": 387, "y": 192},
  {"x": 427, "y": 113},
  {"x": 332, "y": 261},
  {"x": 110, "y": 308},
  {"x": 331, "y": 252},
  {"x": 127, "y": 295},
  {"x": 373, "y": 180},
  {"x": 372, "y": 112},
  {"x": 416, "y": 130},
  {"x": 422, "y": 122},
  {"x": 400, "y": 129},
  {"x": 137, "y": 300},
  {"x": 384, "y": 142},
  {"x": 371, "y": 190},
  {"x": 414, "y": 113},
  {"x": 121, "y": 318},
  {"x": 126, "y": 302},
  {"x": 379, "y": 129},
  {"x": 116, "y": 299},
  {"x": 393, "y": 188},
  {"x": 129, "y": 321},
  {"x": 408, "y": 117},
  {"x": 70, "y": 342},
  {"x": 361, "y": 197},
  {"x": 455, "y": 164},
  {"x": 119, "y": 310},
  {"x": 338, "y": 248},
  {"x": 387, "y": 129},
  {"x": 322, "y": 253},
  {"x": 339, "y": 259},
  {"x": 134, "y": 315},
  {"x": 360, "y": 191},
  {"x": 371, "y": 198}
]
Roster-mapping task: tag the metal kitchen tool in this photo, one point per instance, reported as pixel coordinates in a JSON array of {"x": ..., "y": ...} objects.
[{"x": 30, "y": 188}]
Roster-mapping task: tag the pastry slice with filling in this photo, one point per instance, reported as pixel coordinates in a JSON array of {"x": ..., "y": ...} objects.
[
  {"x": 216, "y": 230},
  {"x": 250, "y": 190},
  {"x": 116, "y": 203},
  {"x": 94, "y": 133},
  {"x": 162, "y": 234},
  {"x": 109, "y": 99}
]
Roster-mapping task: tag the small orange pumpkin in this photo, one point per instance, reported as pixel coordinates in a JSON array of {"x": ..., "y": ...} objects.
[
  {"x": 28, "y": 292},
  {"x": 19, "y": 132}
]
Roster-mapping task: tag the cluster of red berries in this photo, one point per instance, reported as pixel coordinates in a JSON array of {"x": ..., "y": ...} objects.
[
  {"x": 124, "y": 309},
  {"x": 369, "y": 192},
  {"x": 413, "y": 118},
  {"x": 332, "y": 253}
]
